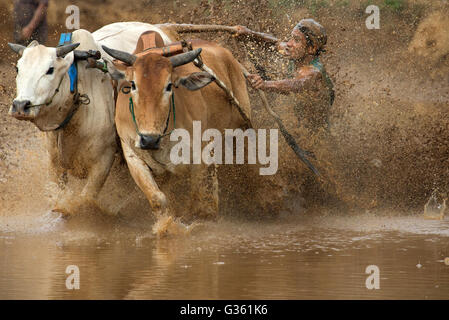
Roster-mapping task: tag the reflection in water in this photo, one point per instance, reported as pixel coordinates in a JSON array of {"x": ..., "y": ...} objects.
[{"x": 301, "y": 258}]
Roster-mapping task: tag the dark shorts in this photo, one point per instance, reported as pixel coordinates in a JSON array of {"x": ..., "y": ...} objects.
[{"x": 23, "y": 14}]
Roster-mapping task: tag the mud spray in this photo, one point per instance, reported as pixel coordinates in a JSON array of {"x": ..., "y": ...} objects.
[
  {"x": 279, "y": 237},
  {"x": 386, "y": 148}
]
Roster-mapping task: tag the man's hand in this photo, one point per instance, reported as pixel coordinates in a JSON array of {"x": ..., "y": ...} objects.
[
  {"x": 27, "y": 32},
  {"x": 256, "y": 81},
  {"x": 241, "y": 31},
  {"x": 39, "y": 14}
]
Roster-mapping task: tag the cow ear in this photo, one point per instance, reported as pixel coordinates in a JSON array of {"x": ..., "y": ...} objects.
[
  {"x": 195, "y": 81},
  {"x": 120, "y": 66},
  {"x": 117, "y": 72},
  {"x": 117, "y": 76}
]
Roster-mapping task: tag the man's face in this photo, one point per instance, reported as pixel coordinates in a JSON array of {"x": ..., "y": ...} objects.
[{"x": 296, "y": 47}]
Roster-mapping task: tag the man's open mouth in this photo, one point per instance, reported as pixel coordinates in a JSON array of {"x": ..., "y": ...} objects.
[{"x": 284, "y": 51}]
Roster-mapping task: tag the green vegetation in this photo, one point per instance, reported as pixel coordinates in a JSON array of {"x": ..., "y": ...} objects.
[
  {"x": 284, "y": 3},
  {"x": 314, "y": 5},
  {"x": 342, "y": 3},
  {"x": 396, "y": 5},
  {"x": 392, "y": 6}
]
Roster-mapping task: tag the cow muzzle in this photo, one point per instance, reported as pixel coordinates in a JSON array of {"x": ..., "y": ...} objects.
[
  {"x": 21, "y": 110},
  {"x": 150, "y": 141}
]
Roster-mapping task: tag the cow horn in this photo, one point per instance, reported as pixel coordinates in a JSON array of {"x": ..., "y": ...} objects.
[
  {"x": 17, "y": 48},
  {"x": 185, "y": 58},
  {"x": 62, "y": 51},
  {"x": 84, "y": 55},
  {"x": 125, "y": 57}
]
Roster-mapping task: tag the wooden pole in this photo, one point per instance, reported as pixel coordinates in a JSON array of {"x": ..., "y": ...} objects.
[
  {"x": 302, "y": 154},
  {"x": 199, "y": 28}
]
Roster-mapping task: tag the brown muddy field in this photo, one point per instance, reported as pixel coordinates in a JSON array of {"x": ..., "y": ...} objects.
[{"x": 386, "y": 152}]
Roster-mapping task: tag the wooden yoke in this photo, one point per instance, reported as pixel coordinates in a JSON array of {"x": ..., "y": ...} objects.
[
  {"x": 147, "y": 40},
  {"x": 151, "y": 42}
]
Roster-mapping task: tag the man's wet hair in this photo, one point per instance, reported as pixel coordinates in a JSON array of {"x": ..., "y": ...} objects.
[{"x": 312, "y": 38}]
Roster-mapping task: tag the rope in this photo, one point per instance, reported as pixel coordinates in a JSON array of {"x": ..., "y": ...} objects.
[
  {"x": 200, "y": 64},
  {"x": 78, "y": 100},
  {"x": 228, "y": 92},
  {"x": 51, "y": 99},
  {"x": 168, "y": 119},
  {"x": 302, "y": 154}
]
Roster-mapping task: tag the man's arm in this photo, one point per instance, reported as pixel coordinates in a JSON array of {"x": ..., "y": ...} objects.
[
  {"x": 282, "y": 86},
  {"x": 39, "y": 14}
]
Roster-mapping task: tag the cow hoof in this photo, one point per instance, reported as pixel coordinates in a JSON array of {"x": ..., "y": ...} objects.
[
  {"x": 195, "y": 227},
  {"x": 167, "y": 226},
  {"x": 77, "y": 206}
]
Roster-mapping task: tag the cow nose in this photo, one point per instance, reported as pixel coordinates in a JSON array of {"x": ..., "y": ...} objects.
[
  {"x": 20, "y": 106},
  {"x": 150, "y": 141}
]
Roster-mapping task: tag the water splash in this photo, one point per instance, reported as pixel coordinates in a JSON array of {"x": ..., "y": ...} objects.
[{"x": 434, "y": 208}]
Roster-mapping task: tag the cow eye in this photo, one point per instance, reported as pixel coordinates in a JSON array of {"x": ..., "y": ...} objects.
[
  {"x": 133, "y": 85},
  {"x": 51, "y": 70},
  {"x": 169, "y": 87},
  {"x": 17, "y": 69}
]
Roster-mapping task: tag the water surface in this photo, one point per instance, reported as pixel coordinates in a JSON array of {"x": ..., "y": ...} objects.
[{"x": 292, "y": 258}]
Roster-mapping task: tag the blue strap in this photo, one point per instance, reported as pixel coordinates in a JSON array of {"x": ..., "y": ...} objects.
[
  {"x": 66, "y": 38},
  {"x": 73, "y": 75}
]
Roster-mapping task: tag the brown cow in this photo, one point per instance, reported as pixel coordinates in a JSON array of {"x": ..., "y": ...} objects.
[{"x": 151, "y": 82}]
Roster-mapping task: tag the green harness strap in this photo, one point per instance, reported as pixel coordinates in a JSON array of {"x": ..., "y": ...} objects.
[
  {"x": 317, "y": 64},
  {"x": 165, "y": 133},
  {"x": 131, "y": 110}
]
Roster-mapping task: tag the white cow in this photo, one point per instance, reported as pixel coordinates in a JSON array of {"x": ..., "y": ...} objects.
[{"x": 86, "y": 144}]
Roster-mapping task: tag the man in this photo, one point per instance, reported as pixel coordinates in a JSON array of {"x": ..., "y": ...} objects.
[
  {"x": 30, "y": 19},
  {"x": 309, "y": 82}
]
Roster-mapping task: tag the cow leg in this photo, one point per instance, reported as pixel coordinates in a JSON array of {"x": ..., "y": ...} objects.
[
  {"x": 55, "y": 189},
  {"x": 204, "y": 188},
  {"x": 144, "y": 179},
  {"x": 57, "y": 173},
  {"x": 97, "y": 175},
  {"x": 71, "y": 203}
]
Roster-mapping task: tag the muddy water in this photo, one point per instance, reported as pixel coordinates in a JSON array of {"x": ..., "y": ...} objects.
[{"x": 323, "y": 257}]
